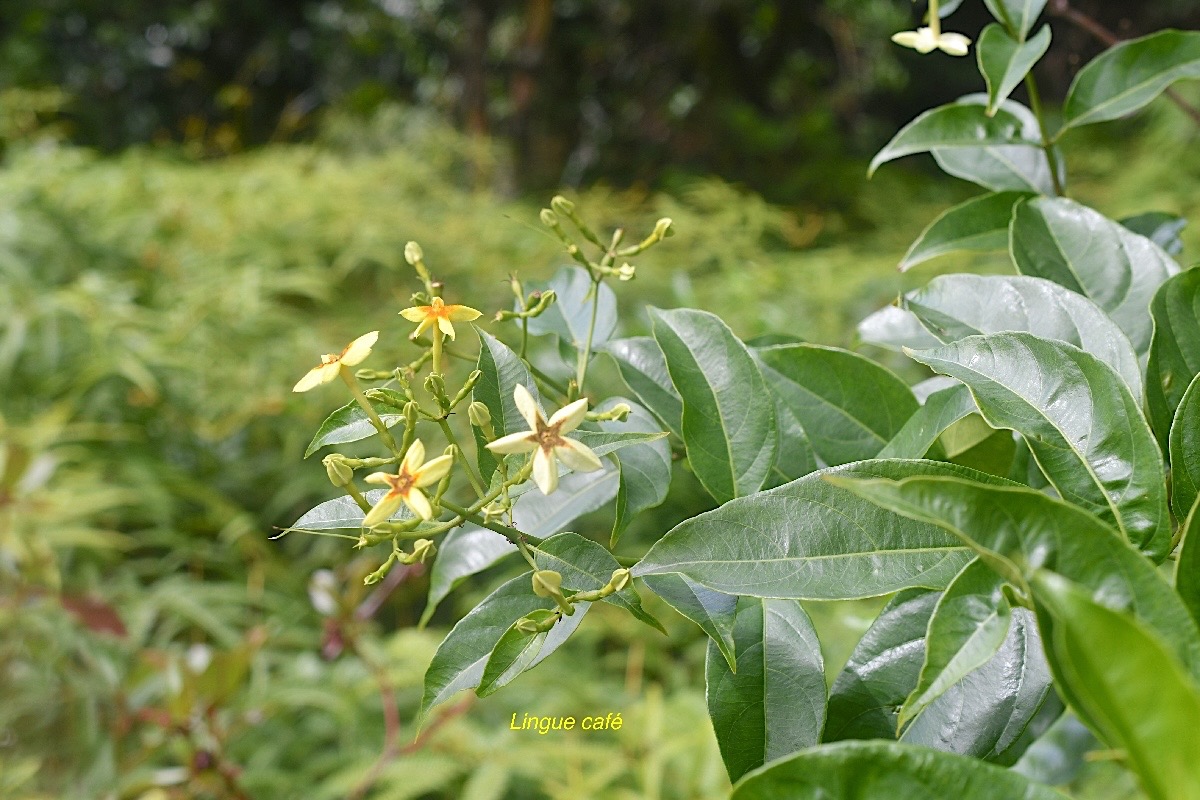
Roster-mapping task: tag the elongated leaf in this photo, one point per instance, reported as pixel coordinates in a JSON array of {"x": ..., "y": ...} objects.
[
  {"x": 949, "y": 127},
  {"x": 885, "y": 771},
  {"x": 586, "y": 565},
  {"x": 1185, "y": 451},
  {"x": 728, "y": 416},
  {"x": 1022, "y": 167},
  {"x": 1174, "y": 349},
  {"x": 978, "y": 225},
  {"x": 1152, "y": 721},
  {"x": 882, "y": 670},
  {"x": 350, "y": 424},
  {"x": 609, "y": 441},
  {"x": 1016, "y": 15},
  {"x": 810, "y": 540},
  {"x": 342, "y": 513},
  {"x": 1018, "y": 530},
  {"x": 1004, "y": 62},
  {"x": 502, "y": 370},
  {"x": 1161, "y": 228},
  {"x": 1081, "y": 424},
  {"x": 644, "y": 371},
  {"x": 712, "y": 611},
  {"x": 941, "y": 410},
  {"x": 512, "y": 655},
  {"x": 1125, "y": 78},
  {"x": 1088, "y": 253},
  {"x": 953, "y": 307},
  {"x": 570, "y": 316},
  {"x": 774, "y": 705},
  {"x": 849, "y": 406},
  {"x": 968, "y": 625},
  {"x": 1187, "y": 568},
  {"x": 463, "y": 552},
  {"x": 645, "y": 468},
  {"x": 895, "y": 329}
]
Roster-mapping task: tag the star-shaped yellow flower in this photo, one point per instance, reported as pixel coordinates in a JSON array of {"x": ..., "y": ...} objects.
[
  {"x": 926, "y": 40},
  {"x": 405, "y": 487},
  {"x": 440, "y": 314},
  {"x": 546, "y": 441},
  {"x": 355, "y": 353}
]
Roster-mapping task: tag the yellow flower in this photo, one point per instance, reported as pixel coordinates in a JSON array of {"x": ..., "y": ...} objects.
[
  {"x": 405, "y": 487},
  {"x": 926, "y": 40},
  {"x": 440, "y": 314},
  {"x": 546, "y": 441},
  {"x": 355, "y": 353}
]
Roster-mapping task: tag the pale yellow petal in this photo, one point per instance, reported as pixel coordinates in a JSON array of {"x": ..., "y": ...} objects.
[
  {"x": 578, "y": 456},
  {"x": 317, "y": 376},
  {"x": 445, "y": 327},
  {"x": 570, "y": 415},
  {"x": 383, "y": 510},
  {"x": 432, "y": 471},
  {"x": 527, "y": 406},
  {"x": 463, "y": 313},
  {"x": 522, "y": 442},
  {"x": 954, "y": 44},
  {"x": 414, "y": 458},
  {"x": 415, "y": 313},
  {"x": 380, "y": 478},
  {"x": 426, "y": 324},
  {"x": 359, "y": 349},
  {"x": 904, "y": 39},
  {"x": 545, "y": 471},
  {"x": 415, "y": 499}
]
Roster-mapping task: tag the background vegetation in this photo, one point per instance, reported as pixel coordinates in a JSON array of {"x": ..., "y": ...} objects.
[{"x": 198, "y": 198}]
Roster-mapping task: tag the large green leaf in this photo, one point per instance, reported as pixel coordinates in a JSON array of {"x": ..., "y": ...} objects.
[
  {"x": 570, "y": 316},
  {"x": 1185, "y": 451},
  {"x": 350, "y": 423},
  {"x": 1187, "y": 567},
  {"x": 949, "y": 127},
  {"x": 512, "y": 655},
  {"x": 712, "y": 611},
  {"x": 1160, "y": 227},
  {"x": 895, "y": 329},
  {"x": 953, "y": 307},
  {"x": 1022, "y": 167},
  {"x": 1125, "y": 78},
  {"x": 1018, "y": 530},
  {"x": 885, "y": 771},
  {"x": 1088, "y": 253},
  {"x": 644, "y": 371},
  {"x": 942, "y": 409},
  {"x": 882, "y": 670},
  {"x": 728, "y": 415},
  {"x": 849, "y": 406},
  {"x": 811, "y": 540},
  {"x": 978, "y": 225},
  {"x": 1125, "y": 684},
  {"x": 342, "y": 513},
  {"x": 774, "y": 705},
  {"x": 463, "y": 552},
  {"x": 1004, "y": 62},
  {"x": 645, "y": 468},
  {"x": 586, "y": 565},
  {"x": 1174, "y": 349},
  {"x": 1079, "y": 419},
  {"x": 1018, "y": 16},
  {"x": 501, "y": 370}
]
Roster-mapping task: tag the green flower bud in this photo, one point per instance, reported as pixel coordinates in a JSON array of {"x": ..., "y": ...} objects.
[
  {"x": 562, "y": 205},
  {"x": 339, "y": 472},
  {"x": 547, "y": 583},
  {"x": 619, "y": 580},
  {"x": 423, "y": 550},
  {"x": 548, "y": 218},
  {"x": 413, "y": 253},
  {"x": 479, "y": 415},
  {"x": 663, "y": 229},
  {"x": 626, "y": 272},
  {"x": 528, "y": 626}
]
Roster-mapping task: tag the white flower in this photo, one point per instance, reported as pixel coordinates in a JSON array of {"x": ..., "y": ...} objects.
[
  {"x": 925, "y": 40},
  {"x": 405, "y": 487},
  {"x": 355, "y": 353},
  {"x": 546, "y": 441}
]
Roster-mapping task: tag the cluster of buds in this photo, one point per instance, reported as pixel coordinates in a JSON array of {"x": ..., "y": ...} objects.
[
  {"x": 562, "y": 208},
  {"x": 548, "y": 583}
]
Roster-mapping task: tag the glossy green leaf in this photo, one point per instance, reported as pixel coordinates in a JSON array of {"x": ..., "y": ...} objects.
[
  {"x": 941, "y": 410},
  {"x": 350, "y": 424},
  {"x": 979, "y": 225},
  {"x": 882, "y": 670},
  {"x": 1130, "y": 689},
  {"x": 644, "y": 370},
  {"x": 586, "y": 565},
  {"x": 1187, "y": 566},
  {"x": 969, "y": 623},
  {"x": 953, "y": 307},
  {"x": 512, "y": 655},
  {"x": 645, "y": 468},
  {"x": 1125, "y": 78},
  {"x": 1174, "y": 349},
  {"x": 999, "y": 167},
  {"x": 895, "y": 329},
  {"x": 774, "y": 704},
  {"x": 1161, "y": 228},
  {"x": 712, "y": 611},
  {"x": 885, "y": 771},
  {"x": 342, "y": 513},
  {"x": 502, "y": 370},
  {"x": 1185, "y": 451},
  {"x": 617, "y": 438},
  {"x": 1088, "y": 253},
  {"x": 849, "y": 406},
  {"x": 570, "y": 316},
  {"x": 1004, "y": 62},
  {"x": 1018, "y": 530},
  {"x": 1018, "y": 16},
  {"x": 1079, "y": 419},
  {"x": 811, "y": 540},
  {"x": 949, "y": 127},
  {"x": 461, "y": 553},
  {"x": 728, "y": 420}
]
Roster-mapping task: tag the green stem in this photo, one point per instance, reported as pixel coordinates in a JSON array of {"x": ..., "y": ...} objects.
[
  {"x": 1035, "y": 105},
  {"x": 353, "y": 491},
  {"x": 512, "y": 534},
  {"x": 935, "y": 19},
  {"x": 372, "y": 414},
  {"x": 476, "y": 481},
  {"x": 547, "y": 381},
  {"x": 437, "y": 350},
  {"x": 586, "y": 355}
]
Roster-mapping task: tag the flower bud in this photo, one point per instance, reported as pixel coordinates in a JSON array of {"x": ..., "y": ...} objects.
[
  {"x": 548, "y": 218},
  {"x": 626, "y": 272},
  {"x": 528, "y": 626},
  {"x": 663, "y": 229},
  {"x": 562, "y": 205},
  {"x": 619, "y": 580},
  {"x": 423, "y": 550},
  {"x": 547, "y": 583},
  {"x": 479, "y": 415},
  {"x": 339, "y": 472},
  {"x": 413, "y": 253}
]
